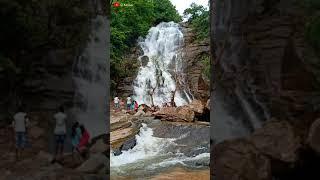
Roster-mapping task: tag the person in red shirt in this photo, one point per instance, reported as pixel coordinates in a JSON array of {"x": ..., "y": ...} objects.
[
  {"x": 136, "y": 106},
  {"x": 84, "y": 140}
]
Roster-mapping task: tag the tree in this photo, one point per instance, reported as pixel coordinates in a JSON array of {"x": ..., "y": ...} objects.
[{"x": 198, "y": 17}]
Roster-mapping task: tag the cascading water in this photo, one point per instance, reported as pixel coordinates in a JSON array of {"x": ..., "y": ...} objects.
[
  {"x": 89, "y": 75},
  {"x": 161, "y": 74},
  {"x": 152, "y": 154}
]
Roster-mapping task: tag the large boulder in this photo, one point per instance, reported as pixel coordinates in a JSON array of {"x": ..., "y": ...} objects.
[
  {"x": 239, "y": 160},
  {"x": 196, "y": 106},
  {"x": 314, "y": 136},
  {"x": 277, "y": 140},
  {"x": 183, "y": 113},
  {"x": 98, "y": 147},
  {"x": 94, "y": 164}
]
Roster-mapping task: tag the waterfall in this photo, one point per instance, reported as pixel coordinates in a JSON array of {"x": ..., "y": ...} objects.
[
  {"x": 89, "y": 74},
  {"x": 162, "y": 68}
]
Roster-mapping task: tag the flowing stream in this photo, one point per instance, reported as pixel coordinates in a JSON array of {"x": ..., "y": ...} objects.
[
  {"x": 161, "y": 75},
  {"x": 160, "y": 147}
]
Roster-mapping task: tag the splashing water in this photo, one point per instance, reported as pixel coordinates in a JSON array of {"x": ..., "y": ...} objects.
[
  {"x": 147, "y": 146},
  {"x": 89, "y": 74},
  {"x": 151, "y": 154},
  {"x": 162, "y": 68}
]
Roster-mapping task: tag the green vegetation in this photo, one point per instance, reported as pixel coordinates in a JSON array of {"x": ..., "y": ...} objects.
[
  {"x": 312, "y": 8},
  {"x": 206, "y": 66},
  {"x": 30, "y": 28},
  {"x": 128, "y": 23},
  {"x": 198, "y": 17},
  {"x": 313, "y": 32}
]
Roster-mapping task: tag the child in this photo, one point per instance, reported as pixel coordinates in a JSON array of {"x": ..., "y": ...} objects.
[{"x": 84, "y": 140}]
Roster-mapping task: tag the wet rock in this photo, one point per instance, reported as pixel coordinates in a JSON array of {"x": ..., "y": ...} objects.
[
  {"x": 144, "y": 60},
  {"x": 239, "y": 159},
  {"x": 117, "y": 152},
  {"x": 208, "y": 104},
  {"x": 94, "y": 164},
  {"x": 118, "y": 137},
  {"x": 129, "y": 144},
  {"x": 277, "y": 140},
  {"x": 314, "y": 136}
]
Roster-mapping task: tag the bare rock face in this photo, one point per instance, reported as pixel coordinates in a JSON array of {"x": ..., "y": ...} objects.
[
  {"x": 260, "y": 48},
  {"x": 197, "y": 106},
  {"x": 193, "y": 53},
  {"x": 277, "y": 140},
  {"x": 240, "y": 160},
  {"x": 314, "y": 136},
  {"x": 253, "y": 157}
]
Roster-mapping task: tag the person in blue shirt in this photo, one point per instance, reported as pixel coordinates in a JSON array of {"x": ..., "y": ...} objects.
[{"x": 75, "y": 136}]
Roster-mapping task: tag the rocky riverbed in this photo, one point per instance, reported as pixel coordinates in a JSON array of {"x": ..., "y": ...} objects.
[{"x": 144, "y": 146}]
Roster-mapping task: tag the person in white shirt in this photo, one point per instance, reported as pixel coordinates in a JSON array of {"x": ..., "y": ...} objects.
[
  {"x": 60, "y": 131},
  {"x": 128, "y": 103},
  {"x": 116, "y": 102},
  {"x": 19, "y": 123}
]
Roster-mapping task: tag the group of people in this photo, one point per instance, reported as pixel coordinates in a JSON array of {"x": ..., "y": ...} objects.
[
  {"x": 130, "y": 104},
  {"x": 79, "y": 135}
]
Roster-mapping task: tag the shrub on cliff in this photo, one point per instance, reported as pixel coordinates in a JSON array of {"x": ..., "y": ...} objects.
[{"x": 198, "y": 17}]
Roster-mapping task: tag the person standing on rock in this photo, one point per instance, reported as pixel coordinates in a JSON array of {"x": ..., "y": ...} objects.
[
  {"x": 75, "y": 135},
  {"x": 136, "y": 106},
  {"x": 116, "y": 102},
  {"x": 84, "y": 141},
  {"x": 60, "y": 132},
  {"x": 20, "y": 123},
  {"x": 128, "y": 103}
]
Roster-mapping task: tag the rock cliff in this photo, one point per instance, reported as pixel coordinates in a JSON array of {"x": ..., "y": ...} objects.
[
  {"x": 194, "y": 51},
  {"x": 265, "y": 67}
]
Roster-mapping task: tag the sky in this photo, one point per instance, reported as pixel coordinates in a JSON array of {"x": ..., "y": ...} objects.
[{"x": 181, "y": 5}]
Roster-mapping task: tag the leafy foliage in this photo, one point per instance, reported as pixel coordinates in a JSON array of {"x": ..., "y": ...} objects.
[
  {"x": 35, "y": 26},
  {"x": 206, "y": 66},
  {"x": 198, "y": 17},
  {"x": 313, "y": 32}
]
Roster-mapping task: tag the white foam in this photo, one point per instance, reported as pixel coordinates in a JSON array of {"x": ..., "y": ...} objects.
[{"x": 147, "y": 146}]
